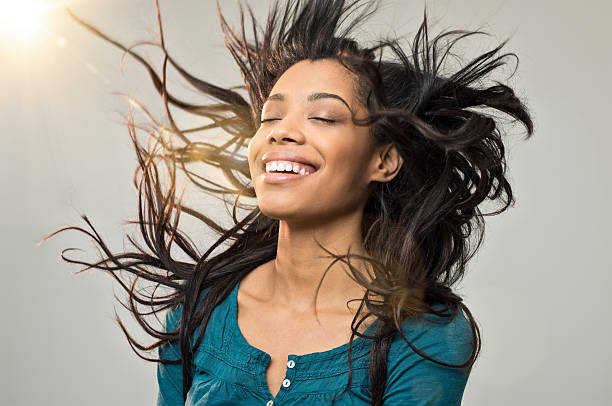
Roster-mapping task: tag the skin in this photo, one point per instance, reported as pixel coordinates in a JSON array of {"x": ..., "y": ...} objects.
[{"x": 327, "y": 205}]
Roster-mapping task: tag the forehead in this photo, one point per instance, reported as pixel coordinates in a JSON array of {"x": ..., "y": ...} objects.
[{"x": 307, "y": 77}]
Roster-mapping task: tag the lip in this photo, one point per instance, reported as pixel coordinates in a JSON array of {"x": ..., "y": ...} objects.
[
  {"x": 280, "y": 177},
  {"x": 283, "y": 177},
  {"x": 286, "y": 156}
]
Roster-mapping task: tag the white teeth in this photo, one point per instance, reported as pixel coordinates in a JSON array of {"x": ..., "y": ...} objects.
[{"x": 275, "y": 166}]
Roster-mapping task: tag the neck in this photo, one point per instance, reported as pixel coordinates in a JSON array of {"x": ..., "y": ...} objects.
[{"x": 300, "y": 264}]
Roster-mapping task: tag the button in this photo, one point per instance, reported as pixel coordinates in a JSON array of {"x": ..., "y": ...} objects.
[
  {"x": 270, "y": 403},
  {"x": 286, "y": 383},
  {"x": 291, "y": 363}
]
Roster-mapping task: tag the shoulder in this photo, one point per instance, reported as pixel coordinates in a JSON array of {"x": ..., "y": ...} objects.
[
  {"x": 413, "y": 378},
  {"x": 449, "y": 338}
]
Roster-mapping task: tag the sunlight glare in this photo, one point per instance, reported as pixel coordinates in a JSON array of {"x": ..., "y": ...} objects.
[{"x": 21, "y": 19}]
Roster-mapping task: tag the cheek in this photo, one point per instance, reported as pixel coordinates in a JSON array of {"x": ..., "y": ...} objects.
[
  {"x": 346, "y": 171},
  {"x": 252, "y": 148},
  {"x": 352, "y": 174},
  {"x": 341, "y": 188}
]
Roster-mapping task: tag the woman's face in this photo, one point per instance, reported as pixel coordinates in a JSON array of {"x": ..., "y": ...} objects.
[{"x": 294, "y": 121}]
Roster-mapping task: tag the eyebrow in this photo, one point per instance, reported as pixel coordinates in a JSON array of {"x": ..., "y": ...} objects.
[{"x": 311, "y": 97}]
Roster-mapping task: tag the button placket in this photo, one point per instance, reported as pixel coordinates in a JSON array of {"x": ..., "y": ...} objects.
[{"x": 290, "y": 373}]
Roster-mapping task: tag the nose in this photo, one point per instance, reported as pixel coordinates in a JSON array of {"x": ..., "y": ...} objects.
[{"x": 285, "y": 130}]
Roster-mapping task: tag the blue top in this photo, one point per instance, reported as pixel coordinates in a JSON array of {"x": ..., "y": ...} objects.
[{"x": 228, "y": 371}]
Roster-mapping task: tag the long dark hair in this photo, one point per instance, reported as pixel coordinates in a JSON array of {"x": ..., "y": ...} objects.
[{"x": 419, "y": 230}]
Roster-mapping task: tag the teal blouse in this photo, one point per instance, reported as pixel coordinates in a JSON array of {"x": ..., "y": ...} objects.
[{"x": 228, "y": 371}]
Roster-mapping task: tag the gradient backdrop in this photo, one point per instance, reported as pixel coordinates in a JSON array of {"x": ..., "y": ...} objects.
[{"x": 539, "y": 287}]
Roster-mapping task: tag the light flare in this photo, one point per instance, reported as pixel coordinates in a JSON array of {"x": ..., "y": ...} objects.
[{"x": 22, "y": 19}]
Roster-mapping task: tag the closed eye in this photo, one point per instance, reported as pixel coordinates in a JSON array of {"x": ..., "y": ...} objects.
[{"x": 325, "y": 120}]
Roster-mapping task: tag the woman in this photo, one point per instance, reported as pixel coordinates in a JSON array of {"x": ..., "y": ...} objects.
[{"x": 358, "y": 163}]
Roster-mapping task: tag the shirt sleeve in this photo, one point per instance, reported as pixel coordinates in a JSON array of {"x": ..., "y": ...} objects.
[
  {"x": 170, "y": 376},
  {"x": 415, "y": 381}
]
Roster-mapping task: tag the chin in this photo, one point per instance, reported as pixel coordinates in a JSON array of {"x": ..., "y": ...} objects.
[
  {"x": 283, "y": 211},
  {"x": 279, "y": 211}
]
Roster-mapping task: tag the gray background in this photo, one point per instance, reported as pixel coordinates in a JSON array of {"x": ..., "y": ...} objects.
[{"x": 538, "y": 287}]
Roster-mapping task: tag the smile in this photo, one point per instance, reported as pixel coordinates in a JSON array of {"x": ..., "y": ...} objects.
[
  {"x": 288, "y": 166},
  {"x": 284, "y": 171}
]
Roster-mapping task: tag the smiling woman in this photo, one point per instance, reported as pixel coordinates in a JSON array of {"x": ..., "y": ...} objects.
[
  {"x": 318, "y": 129},
  {"x": 372, "y": 168}
]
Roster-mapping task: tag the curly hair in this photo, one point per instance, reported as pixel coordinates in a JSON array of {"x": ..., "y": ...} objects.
[{"x": 419, "y": 229}]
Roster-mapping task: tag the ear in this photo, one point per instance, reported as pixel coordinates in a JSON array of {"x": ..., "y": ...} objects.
[{"x": 387, "y": 161}]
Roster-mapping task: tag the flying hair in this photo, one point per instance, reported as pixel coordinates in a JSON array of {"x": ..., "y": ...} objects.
[{"x": 419, "y": 230}]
